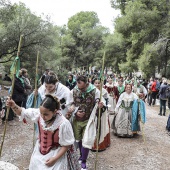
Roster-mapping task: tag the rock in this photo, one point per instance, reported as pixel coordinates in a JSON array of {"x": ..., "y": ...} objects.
[{"x": 7, "y": 166}]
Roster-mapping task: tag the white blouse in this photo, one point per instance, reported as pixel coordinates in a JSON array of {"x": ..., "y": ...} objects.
[
  {"x": 61, "y": 92},
  {"x": 126, "y": 97}
]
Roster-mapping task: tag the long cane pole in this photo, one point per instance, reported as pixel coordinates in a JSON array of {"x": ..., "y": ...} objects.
[
  {"x": 35, "y": 97},
  {"x": 12, "y": 89},
  {"x": 97, "y": 139}
]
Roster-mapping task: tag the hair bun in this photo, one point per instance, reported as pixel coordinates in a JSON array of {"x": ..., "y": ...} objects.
[{"x": 53, "y": 97}]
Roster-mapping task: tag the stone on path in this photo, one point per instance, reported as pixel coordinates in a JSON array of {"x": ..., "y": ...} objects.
[{"x": 7, "y": 166}]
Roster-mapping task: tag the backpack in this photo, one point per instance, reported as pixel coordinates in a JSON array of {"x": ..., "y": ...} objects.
[
  {"x": 157, "y": 85},
  {"x": 167, "y": 92}
]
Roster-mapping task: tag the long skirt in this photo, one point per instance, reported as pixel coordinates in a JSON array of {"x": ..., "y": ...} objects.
[
  {"x": 104, "y": 139},
  {"x": 121, "y": 124},
  {"x": 112, "y": 104},
  {"x": 69, "y": 161}
]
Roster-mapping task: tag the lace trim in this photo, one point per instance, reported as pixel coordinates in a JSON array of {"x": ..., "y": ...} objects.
[{"x": 58, "y": 121}]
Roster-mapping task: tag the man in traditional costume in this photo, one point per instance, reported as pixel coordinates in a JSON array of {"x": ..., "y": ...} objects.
[
  {"x": 85, "y": 96},
  {"x": 140, "y": 90}
]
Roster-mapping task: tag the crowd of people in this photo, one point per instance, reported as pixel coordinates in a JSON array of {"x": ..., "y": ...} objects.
[{"x": 67, "y": 115}]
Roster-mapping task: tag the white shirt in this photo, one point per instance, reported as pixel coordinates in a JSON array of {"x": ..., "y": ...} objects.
[{"x": 60, "y": 92}]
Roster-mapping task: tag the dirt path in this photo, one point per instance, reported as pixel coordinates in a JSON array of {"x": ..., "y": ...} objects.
[
  {"x": 123, "y": 154},
  {"x": 134, "y": 153}
]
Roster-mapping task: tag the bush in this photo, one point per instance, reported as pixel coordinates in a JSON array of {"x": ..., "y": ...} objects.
[{"x": 63, "y": 76}]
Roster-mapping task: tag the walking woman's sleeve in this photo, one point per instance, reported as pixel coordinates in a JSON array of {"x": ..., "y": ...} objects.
[
  {"x": 66, "y": 136},
  {"x": 31, "y": 113}
]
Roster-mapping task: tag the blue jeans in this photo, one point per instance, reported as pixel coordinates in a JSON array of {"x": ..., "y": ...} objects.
[{"x": 162, "y": 105}]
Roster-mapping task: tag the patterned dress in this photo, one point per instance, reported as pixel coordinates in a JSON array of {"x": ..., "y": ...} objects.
[{"x": 123, "y": 118}]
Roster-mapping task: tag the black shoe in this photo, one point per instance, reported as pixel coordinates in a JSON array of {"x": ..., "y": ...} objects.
[
  {"x": 160, "y": 114},
  {"x": 164, "y": 115}
]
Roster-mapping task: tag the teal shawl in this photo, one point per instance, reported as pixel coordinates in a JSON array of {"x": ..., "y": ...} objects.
[
  {"x": 30, "y": 101},
  {"x": 71, "y": 83},
  {"x": 138, "y": 109}
]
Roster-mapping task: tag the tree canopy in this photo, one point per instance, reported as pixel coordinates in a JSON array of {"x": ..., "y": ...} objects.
[
  {"x": 141, "y": 25},
  {"x": 140, "y": 41},
  {"x": 84, "y": 39}
]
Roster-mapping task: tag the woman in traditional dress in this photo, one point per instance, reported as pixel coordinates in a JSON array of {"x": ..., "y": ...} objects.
[
  {"x": 55, "y": 88},
  {"x": 105, "y": 124},
  {"x": 113, "y": 94},
  {"x": 71, "y": 82},
  {"x": 122, "y": 122},
  {"x": 55, "y": 137},
  {"x": 140, "y": 90}
]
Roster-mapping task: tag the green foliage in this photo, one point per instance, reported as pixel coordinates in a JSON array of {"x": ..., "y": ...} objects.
[
  {"x": 141, "y": 40},
  {"x": 115, "y": 51},
  {"x": 82, "y": 20},
  {"x": 119, "y": 4},
  {"x": 63, "y": 75},
  {"x": 147, "y": 59},
  {"x": 38, "y": 35},
  {"x": 35, "y": 31},
  {"x": 141, "y": 24},
  {"x": 83, "y": 40}
]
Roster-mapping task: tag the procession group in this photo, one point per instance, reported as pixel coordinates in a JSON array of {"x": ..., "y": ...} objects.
[{"x": 67, "y": 116}]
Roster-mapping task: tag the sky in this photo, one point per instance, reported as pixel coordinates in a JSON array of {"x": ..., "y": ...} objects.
[{"x": 61, "y": 10}]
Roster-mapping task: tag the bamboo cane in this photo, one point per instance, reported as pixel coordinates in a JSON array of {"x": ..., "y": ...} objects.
[
  {"x": 12, "y": 89},
  {"x": 35, "y": 97},
  {"x": 97, "y": 139}
]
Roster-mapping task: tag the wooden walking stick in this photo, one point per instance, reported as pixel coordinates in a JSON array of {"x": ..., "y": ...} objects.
[
  {"x": 97, "y": 137},
  {"x": 35, "y": 97},
  {"x": 11, "y": 93}
]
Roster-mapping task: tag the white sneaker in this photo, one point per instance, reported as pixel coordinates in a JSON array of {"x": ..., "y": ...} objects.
[{"x": 80, "y": 161}]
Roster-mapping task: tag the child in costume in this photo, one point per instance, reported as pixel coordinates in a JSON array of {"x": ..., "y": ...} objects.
[{"x": 55, "y": 134}]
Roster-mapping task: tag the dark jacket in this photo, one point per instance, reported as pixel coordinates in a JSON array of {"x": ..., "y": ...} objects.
[
  {"x": 71, "y": 85},
  {"x": 19, "y": 91},
  {"x": 162, "y": 91},
  {"x": 7, "y": 78},
  {"x": 0, "y": 104}
]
